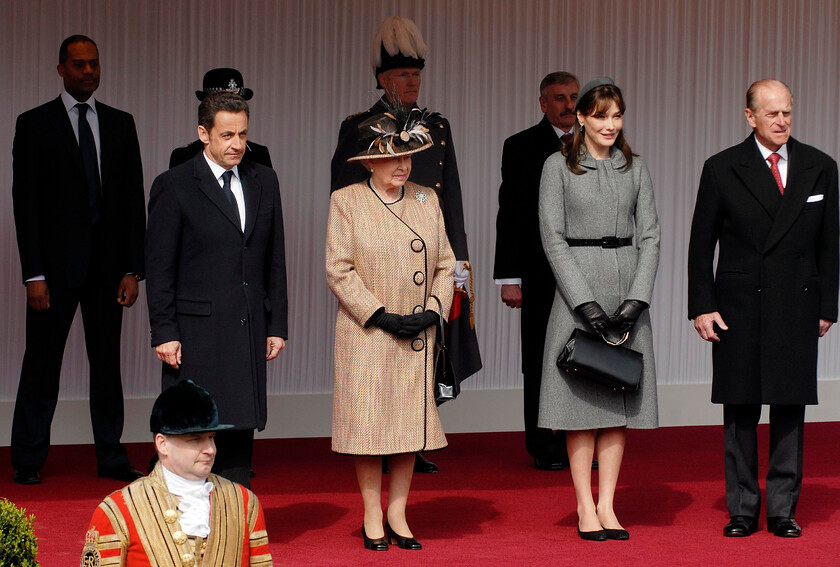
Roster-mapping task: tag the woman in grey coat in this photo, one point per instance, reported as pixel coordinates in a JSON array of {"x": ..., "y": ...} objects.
[{"x": 592, "y": 202}]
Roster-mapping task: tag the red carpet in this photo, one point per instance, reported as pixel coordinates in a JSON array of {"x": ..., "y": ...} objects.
[{"x": 488, "y": 506}]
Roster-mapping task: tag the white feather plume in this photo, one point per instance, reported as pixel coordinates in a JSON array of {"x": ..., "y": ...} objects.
[{"x": 397, "y": 35}]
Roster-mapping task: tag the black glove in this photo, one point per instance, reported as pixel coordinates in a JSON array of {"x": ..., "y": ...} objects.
[
  {"x": 626, "y": 315},
  {"x": 388, "y": 322},
  {"x": 595, "y": 316},
  {"x": 416, "y": 322}
]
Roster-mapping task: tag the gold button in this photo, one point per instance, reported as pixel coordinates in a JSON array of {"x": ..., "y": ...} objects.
[
  {"x": 188, "y": 560},
  {"x": 440, "y": 163},
  {"x": 170, "y": 516},
  {"x": 443, "y": 142},
  {"x": 179, "y": 537},
  {"x": 440, "y": 125},
  {"x": 437, "y": 185}
]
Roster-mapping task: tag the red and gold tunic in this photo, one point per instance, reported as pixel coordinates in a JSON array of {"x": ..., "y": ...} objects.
[{"x": 139, "y": 526}]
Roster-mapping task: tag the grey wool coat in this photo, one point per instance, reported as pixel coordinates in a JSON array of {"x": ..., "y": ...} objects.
[{"x": 606, "y": 200}]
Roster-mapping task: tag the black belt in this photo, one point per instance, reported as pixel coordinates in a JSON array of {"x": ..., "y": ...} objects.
[{"x": 605, "y": 242}]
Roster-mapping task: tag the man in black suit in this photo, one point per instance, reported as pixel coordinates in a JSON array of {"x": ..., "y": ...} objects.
[
  {"x": 215, "y": 81},
  {"x": 398, "y": 59},
  {"x": 78, "y": 206},
  {"x": 216, "y": 276},
  {"x": 770, "y": 206},
  {"x": 521, "y": 268}
]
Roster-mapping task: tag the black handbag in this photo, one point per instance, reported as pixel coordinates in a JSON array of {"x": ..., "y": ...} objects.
[
  {"x": 446, "y": 385},
  {"x": 590, "y": 356}
]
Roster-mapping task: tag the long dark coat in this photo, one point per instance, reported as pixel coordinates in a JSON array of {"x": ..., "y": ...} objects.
[
  {"x": 218, "y": 291},
  {"x": 777, "y": 271}
]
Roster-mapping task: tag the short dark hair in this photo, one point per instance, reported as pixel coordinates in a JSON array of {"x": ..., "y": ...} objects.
[
  {"x": 220, "y": 101},
  {"x": 78, "y": 38},
  {"x": 557, "y": 78},
  {"x": 752, "y": 92}
]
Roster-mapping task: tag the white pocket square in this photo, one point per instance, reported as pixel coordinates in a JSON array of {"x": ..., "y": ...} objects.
[{"x": 814, "y": 198}]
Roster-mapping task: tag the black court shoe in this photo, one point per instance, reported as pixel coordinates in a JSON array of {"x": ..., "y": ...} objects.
[
  {"x": 402, "y": 542},
  {"x": 378, "y": 544}
]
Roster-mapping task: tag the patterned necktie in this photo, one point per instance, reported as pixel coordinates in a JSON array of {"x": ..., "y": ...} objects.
[
  {"x": 90, "y": 162},
  {"x": 226, "y": 177},
  {"x": 774, "y": 169}
]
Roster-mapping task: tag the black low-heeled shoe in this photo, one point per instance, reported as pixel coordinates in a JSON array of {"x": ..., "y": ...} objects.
[
  {"x": 620, "y": 535},
  {"x": 402, "y": 541},
  {"x": 378, "y": 544},
  {"x": 597, "y": 535}
]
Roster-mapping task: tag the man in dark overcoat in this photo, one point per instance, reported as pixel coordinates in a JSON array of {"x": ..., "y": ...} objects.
[
  {"x": 79, "y": 213},
  {"x": 216, "y": 276},
  {"x": 521, "y": 268},
  {"x": 398, "y": 59},
  {"x": 218, "y": 80},
  {"x": 770, "y": 206}
]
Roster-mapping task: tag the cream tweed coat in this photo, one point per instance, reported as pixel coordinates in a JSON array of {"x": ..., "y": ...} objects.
[
  {"x": 396, "y": 256},
  {"x": 607, "y": 200}
]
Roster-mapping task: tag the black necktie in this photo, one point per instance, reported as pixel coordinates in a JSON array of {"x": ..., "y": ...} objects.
[
  {"x": 90, "y": 162},
  {"x": 226, "y": 177}
]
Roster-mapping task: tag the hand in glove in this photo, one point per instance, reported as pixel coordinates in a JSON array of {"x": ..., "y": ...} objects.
[
  {"x": 595, "y": 316},
  {"x": 626, "y": 315},
  {"x": 388, "y": 322},
  {"x": 418, "y": 321}
]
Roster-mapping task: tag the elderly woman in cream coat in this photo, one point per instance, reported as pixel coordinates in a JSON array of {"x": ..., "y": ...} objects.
[
  {"x": 592, "y": 201},
  {"x": 389, "y": 263}
]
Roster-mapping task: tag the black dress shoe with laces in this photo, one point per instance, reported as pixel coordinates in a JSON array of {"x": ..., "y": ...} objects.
[
  {"x": 548, "y": 464},
  {"x": 122, "y": 473},
  {"x": 424, "y": 465},
  {"x": 27, "y": 476},
  {"x": 740, "y": 526},
  {"x": 783, "y": 527}
]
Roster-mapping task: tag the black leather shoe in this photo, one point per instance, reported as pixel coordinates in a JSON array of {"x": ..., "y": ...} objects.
[
  {"x": 122, "y": 473},
  {"x": 783, "y": 527},
  {"x": 597, "y": 535},
  {"x": 740, "y": 526},
  {"x": 27, "y": 476},
  {"x": 424, "y": 465},
  {"x": 402, "y": 541},
  {"x": 620, "y": 535},
  {"x": 378, "y": 544},
  {"x": 548, "y": 464}
]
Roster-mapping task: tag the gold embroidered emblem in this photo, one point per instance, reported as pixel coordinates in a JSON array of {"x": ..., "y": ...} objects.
[
  {"x": 188, "y": 560},
  {"x": 170, "y": 516},
  {"x": 421, "y": 196},
  {"x": 179, "y": 537},
  {"x": 90, "y": 555}
]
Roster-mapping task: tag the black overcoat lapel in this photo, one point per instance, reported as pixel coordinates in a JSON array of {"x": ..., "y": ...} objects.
[
  {"x": 60, "y": 123},
  {"x": 209, "y": 185},
  {"x": 252, "y": 190}
]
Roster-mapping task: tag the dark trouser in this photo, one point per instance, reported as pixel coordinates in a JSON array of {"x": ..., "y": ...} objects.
[
  {"x": 234, "y": 450},
  {"x": 46, "y": 336},
  {"x": 536, "y": 307},
  {"x": 784, "y": 474}
]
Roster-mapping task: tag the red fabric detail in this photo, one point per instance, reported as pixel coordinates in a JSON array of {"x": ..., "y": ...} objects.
[{"x": 774, "y": 169}]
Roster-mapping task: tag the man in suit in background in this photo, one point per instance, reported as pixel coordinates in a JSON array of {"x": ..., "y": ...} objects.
[
  {"x": 215, "y": 81},
  {"x": 216, "y": 276},
  {"x": 398, "y": 57},
  {"x": 80, "y": 219},
  {"x": 770, "y": 206},
  {"x": 521, "y": 268}
]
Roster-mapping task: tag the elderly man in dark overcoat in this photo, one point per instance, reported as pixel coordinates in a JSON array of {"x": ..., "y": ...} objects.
[
  {"x": 216, "y": 276},
  {"x": 770, "y": 206}
]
